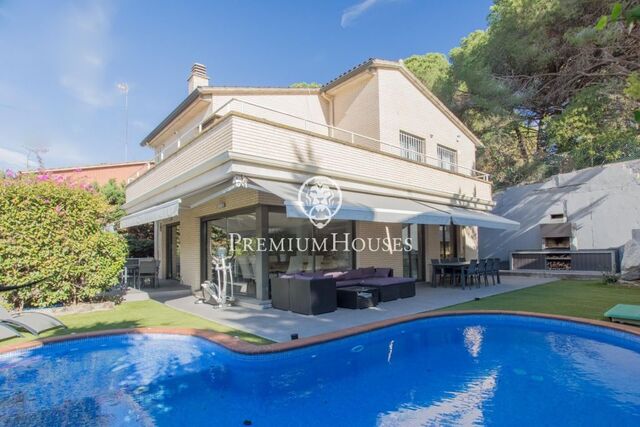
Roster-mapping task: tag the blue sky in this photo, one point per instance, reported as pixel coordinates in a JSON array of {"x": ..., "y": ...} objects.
[{"x": 61, "y": 60}]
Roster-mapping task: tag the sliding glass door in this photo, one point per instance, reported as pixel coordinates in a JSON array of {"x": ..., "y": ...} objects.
[
  {"x": 297, "y": 252},
  {"x": 292, "y": 249},
  {"x": 413, "y": 259},
  {"x": 173, "y": 251},
  {"x": 217, "y": 235}
]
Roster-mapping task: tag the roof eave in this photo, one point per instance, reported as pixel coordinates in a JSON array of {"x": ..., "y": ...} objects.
[{"x": 197, "y": 92}]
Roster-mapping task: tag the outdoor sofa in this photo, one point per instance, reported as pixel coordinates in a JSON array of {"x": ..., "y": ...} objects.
[{"x": 314, "y": 293}]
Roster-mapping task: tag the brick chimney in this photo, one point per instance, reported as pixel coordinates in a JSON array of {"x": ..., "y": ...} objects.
[{"x": 198, "y": 77}]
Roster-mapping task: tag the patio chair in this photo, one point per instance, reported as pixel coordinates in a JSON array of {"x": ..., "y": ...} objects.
[
  {"x": 451, "y": 273},
  {"x": 492, "y": 269},
  {"x": 7, "y": 331},
  {"x": 34, "y": 323},
  {"x": 130, "y": 272},
  {"x": 472, "y": 273},
  {"x": 148, "y": 269},
  {"x": 496, "y": 267},
  {"x": 483, "y": 271},
  {"x": 436, "y": 271}
]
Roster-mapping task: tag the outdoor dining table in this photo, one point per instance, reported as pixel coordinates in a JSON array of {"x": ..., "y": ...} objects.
[{"x": 460, "y": 266}]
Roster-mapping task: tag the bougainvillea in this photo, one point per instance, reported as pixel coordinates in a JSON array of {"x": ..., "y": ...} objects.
[{"x": 53, "y": 227}]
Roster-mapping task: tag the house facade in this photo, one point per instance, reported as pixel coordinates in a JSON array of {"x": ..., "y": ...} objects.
[{"x": 232, "y": 160}]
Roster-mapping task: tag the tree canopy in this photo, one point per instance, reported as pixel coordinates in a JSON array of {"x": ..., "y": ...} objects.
[{"x": 549, "y": 86}]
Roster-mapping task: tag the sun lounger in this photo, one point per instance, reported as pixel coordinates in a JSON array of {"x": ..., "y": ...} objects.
[
  {"x": 7, "y": 331},
  {"x": 35, "y": 323},
  {"x": 624, "y": 313}
]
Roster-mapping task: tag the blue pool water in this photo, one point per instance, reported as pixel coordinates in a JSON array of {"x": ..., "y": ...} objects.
[{"x": 462, "y": 370}]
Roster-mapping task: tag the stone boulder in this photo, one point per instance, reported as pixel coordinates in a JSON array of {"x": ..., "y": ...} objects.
[{"x": 631, "y": 258}]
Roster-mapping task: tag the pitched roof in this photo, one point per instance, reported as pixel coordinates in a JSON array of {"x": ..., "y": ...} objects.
[
  {"x": 343, "y": 77},
  {"x": 398, "y": 65}
]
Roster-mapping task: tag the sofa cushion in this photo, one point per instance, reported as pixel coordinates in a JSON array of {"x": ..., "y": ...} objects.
[
  {"x": 334, "y": 274},
  {"x": 351, "y": 275},
  {"x": 382, "y": 272},
  {"x": 316, "y": 274},
  {"x": 300, "y": 276},
  {"x": 368, "y": 271},
  {"x": 352, "y": 282},
  {"x": 387, "y": 281}
]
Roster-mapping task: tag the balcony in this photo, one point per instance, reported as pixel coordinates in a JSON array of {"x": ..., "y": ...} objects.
[{"x": 254, "y": 133}]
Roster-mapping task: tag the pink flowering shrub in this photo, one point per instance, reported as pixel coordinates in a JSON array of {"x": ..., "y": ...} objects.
[{"x": 53, "y": 227}]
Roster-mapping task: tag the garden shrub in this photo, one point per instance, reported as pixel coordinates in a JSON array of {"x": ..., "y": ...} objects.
[
  {"x": 52, "y": 227},
  {"x": 139, "y": 238}
]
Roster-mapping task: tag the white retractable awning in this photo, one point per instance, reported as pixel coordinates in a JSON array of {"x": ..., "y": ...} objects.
[
  {"x": 154, "y": 213},
  {"x": 462, "y": 216},
  {"x": 371, "y": 207},
  {"x": 359, "y": 206}
]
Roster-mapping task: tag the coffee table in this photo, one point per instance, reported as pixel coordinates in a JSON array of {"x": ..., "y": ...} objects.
[{"x": 357, "y": 297}]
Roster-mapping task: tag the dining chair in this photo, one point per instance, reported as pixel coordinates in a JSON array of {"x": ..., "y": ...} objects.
[
  {"x": 483, "y": 271},
  {"x": 131, "y": 270},
  {"x": 453, "y": 273},
  {"x": 496, "y": 266},
  {"x": 471, "y": 273},
  {"x": 148, "y": 270},
  {"x": 436, "y": 271}
]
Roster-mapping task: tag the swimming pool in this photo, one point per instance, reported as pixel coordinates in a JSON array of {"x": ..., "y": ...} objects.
[{"x": 470, "y": 369}]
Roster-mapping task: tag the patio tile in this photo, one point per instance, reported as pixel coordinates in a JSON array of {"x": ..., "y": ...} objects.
[{"x": 278, "y": 325}]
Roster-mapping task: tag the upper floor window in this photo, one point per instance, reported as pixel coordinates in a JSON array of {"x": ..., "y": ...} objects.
[
  {"x": 412, "y": 147},
  {"x": 447, "y": 158}
]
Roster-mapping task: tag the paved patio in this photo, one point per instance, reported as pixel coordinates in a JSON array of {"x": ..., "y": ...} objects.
[{"x": 278, "y": 325}]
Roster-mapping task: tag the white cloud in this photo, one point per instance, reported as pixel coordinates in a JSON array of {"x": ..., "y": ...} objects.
[
  {"x": 351, "y": 13},
  {"x": 12, "y": 159}
]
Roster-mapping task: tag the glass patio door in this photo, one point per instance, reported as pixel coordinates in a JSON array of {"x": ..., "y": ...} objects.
[
  {"x": 413, "y": 260},
  {"x": 173, "y": 251},
  {"x": 244, "y": 258}
]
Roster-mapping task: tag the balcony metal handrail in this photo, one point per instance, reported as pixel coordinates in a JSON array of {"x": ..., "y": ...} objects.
[{"x": 344, "y": 135}]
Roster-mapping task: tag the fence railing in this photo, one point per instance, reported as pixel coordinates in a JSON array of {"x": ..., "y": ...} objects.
[{"x": 354, "y": 138}]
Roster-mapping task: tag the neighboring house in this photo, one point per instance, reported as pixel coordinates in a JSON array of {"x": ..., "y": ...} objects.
[
  {"x": 594, "y": 208},
  {"x": 231, "y": 159},
  {"x": 101, "y": 173}
]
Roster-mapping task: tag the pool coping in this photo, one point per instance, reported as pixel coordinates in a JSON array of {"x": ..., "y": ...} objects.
[{"x": 237, "y": 345}]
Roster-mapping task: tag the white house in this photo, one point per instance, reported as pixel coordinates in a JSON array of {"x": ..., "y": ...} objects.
[{"x": 231, "y": 160}]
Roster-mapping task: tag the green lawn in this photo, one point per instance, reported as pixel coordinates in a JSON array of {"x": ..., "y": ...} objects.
[
  {"x": 589, "y": 299},
  {"x": 579, "y": 298},
  {"x": 136, "y": 315}
]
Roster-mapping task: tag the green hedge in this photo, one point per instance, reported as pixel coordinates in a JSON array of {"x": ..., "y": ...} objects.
[{"x": 52, "y": 227}]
